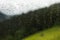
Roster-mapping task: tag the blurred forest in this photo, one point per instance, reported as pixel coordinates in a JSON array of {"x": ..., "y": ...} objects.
[{"x": 31, "y": 22}]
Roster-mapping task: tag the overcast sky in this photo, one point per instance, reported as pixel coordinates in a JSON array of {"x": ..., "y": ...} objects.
[{"x": 13, "y": 7}]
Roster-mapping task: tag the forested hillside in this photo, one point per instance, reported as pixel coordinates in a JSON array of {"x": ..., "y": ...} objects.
[{"x": 30, "y": 23}]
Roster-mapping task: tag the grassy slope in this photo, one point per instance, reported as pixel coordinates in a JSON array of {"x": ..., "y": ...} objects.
[{"x": 49, "y": 34}]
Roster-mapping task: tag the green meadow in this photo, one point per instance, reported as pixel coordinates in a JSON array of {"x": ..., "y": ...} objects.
[{"x": 48, "y": 34}]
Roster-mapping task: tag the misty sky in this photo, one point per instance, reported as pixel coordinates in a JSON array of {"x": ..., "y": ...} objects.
[{"x": 13, "y": 7}]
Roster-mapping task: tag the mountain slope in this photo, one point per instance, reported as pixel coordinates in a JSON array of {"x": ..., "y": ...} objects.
[
  {"x": 3, "y": 16},
  {"x": 27, "y": 24},
  {"x": 49, "y": 34}
]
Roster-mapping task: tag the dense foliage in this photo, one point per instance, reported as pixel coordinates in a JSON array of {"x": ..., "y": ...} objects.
[{"x": 31, "y": 22}]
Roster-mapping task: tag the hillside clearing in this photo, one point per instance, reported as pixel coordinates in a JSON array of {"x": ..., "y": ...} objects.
[{"x": 49, "y": 34}]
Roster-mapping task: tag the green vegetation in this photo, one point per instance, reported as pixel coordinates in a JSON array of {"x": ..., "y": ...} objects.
[
  {"x": 24, "y": 25},
  {"x": 49, "y": 34}
]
